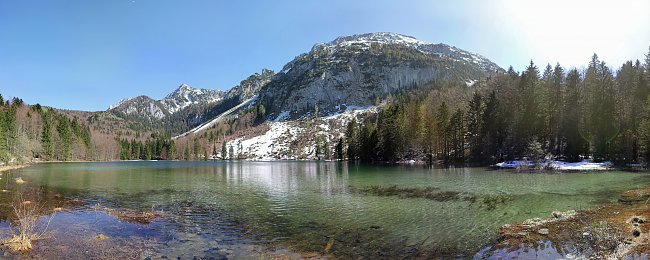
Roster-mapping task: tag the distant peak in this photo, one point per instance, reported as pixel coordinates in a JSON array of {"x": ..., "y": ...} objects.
[
  {"x": 183, "y": 88},
  {"x": 379, "y": 37}
]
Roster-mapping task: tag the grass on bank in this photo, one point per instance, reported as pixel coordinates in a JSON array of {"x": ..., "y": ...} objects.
[{"x": 25, "y": 225}]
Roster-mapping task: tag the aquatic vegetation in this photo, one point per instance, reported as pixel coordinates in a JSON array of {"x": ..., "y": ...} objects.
[
  {"x": 604, "y": 235},
  {"x": 132, "y": 216},
  {"x": 611, "y": 231},
  {"x": 371, "y": 242},
  {"x": 431, "y": 193},
  {"x": 19, "y": 180},
  {"x": 490, "y": 202},
  {"x": 26, "y": 226}
]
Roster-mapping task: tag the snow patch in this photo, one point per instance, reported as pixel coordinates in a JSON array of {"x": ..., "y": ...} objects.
[
  {"x": 212, "y": 122},
  {"x": 283, "y": 116},
  {"x": 470, "y": 82},
  {"x": 270, "y": 146},
  {"x": 276, "y": 142},
  {"x": 122, "y": 101},
  {"x": 585, "y": 165}
]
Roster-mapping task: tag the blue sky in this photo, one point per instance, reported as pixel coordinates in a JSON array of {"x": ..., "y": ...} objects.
[{"x": 87, "y": 55}]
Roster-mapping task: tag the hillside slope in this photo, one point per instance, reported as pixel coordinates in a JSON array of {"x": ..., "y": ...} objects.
[{"x": 358, "y": 70}]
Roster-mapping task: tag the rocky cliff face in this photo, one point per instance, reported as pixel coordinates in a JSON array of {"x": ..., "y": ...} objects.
[
  {"x": 187, "y": 107},
  {"x": 357, "y": 70},
  {"x": 141, "y": 107},
  {"x": 186, "y": 96},
  {"x": 146, "y": 108},
  {"x": 348, "y": 73}
]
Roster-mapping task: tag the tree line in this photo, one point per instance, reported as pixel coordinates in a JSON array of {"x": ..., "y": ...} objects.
[
  {"x": 28, "y": 132},
  {"x": 157, "y": 147},
  {"x": 595, "y": 113}
]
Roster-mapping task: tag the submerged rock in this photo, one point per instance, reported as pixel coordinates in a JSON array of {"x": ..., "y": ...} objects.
[
  {"x": 543, "y": 231},
  {"x": 632, "y": 196},
  {"x": 19, "y": 180}
]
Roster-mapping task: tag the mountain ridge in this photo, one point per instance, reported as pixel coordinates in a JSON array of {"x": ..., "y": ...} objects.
[
  {"x": 349, "y": 71},
  {"x": 355, "y": 70}
]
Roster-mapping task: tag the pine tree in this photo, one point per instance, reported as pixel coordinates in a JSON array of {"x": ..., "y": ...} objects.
[
  {"x": 224, "y": 151},
  {"x": 474, "y": 117},
  {"x": 148, "y": 152},
  {"x": 172, "y": 151},
  {"x": 573, "y": 115},
  {"x": 529, "y": 122},
  {"x": 492, "y": 130},
  {"x": 63, "y": 129},
  {"x": 442, "y": 123},
  {"x": 197, "y": 149},
  {"x": 368, "y": 143},
  {"x": 339, "y": 149},
  {"x": 555, "y": 85},
  {"x": 352, "y": 139},
  {"x": 457, "y": 135},
  {"x": 601, "y": 125},
  {"x": 390, "y": 133},
  {"x": 644, "y": 134}
]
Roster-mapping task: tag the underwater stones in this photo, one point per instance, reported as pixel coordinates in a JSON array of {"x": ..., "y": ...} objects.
[
  {"x": 19, "y": 180},
  {"x": 632, "y": 196},
  {"x": 543, "y": 231},
  {"x": 563, "y": 214},
  {"x": 637, "y": 220}
]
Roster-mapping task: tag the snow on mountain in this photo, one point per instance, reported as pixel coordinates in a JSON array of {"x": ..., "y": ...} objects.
[
  {"x": 185, "y": 96},
  {"x": 217, "y": 119},
  {"x": 380, "y": 37},
  {"x": 182, "y": 97},
  {"x": 440, "y": 49},
  {"x": 360, "y": 69},
  {"x": 140, "y": 107},
  {"x": 277, "y": 142},
  {"x": 122, "y": 101}
]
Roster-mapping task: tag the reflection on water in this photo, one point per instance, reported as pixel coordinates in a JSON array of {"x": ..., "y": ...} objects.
[{"x": 229, "y": 209}]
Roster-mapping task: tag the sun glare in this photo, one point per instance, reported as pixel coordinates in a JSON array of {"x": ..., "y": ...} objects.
[{"x": 569, "y": 32}]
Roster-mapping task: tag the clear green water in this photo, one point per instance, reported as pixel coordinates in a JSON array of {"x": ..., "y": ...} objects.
[{"x": 223, "y": 209}]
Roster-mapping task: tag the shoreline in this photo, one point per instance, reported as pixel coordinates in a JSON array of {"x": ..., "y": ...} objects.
[
  {"x": 584, "y": 228},
  {"x": 13, "y": 167},
  {"x": 612, "y": 230}
]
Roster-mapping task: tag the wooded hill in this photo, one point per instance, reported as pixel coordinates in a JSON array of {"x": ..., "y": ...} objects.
[
  {"x": 568, "y": 114},
  {"x": 561, "y": 114}
]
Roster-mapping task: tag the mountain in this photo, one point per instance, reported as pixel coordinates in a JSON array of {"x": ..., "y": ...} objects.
[
  {"x": 350, "y": 71},
  {"x": 201, "y": 115},
  {"x": 148, "y": 109},
  {"x": 140, "y": 107},
  {"x": 185, "y": 96},
  {"x": 356, "y": 70},
  {"x": 187, "y": 107},
  {"x": 344, "y": 79},
  {"x": 250, "y": 86}
]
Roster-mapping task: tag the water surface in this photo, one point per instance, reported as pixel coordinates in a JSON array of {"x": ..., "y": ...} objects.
[{"x": 239, "y": 209}]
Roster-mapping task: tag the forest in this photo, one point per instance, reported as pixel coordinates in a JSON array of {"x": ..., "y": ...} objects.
[
  {"x": 28, "y": 132},
  {"x": 596, "y": 113},
  {"x": 567, "y": 114}
]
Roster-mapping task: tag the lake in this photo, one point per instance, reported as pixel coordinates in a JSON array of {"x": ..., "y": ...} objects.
[{"x": 258, "y": 209}]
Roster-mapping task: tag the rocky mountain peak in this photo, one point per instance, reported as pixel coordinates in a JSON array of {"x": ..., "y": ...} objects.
[
  {"x": 378, "y": 37},
  {"x": 358, "y": 69}
]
